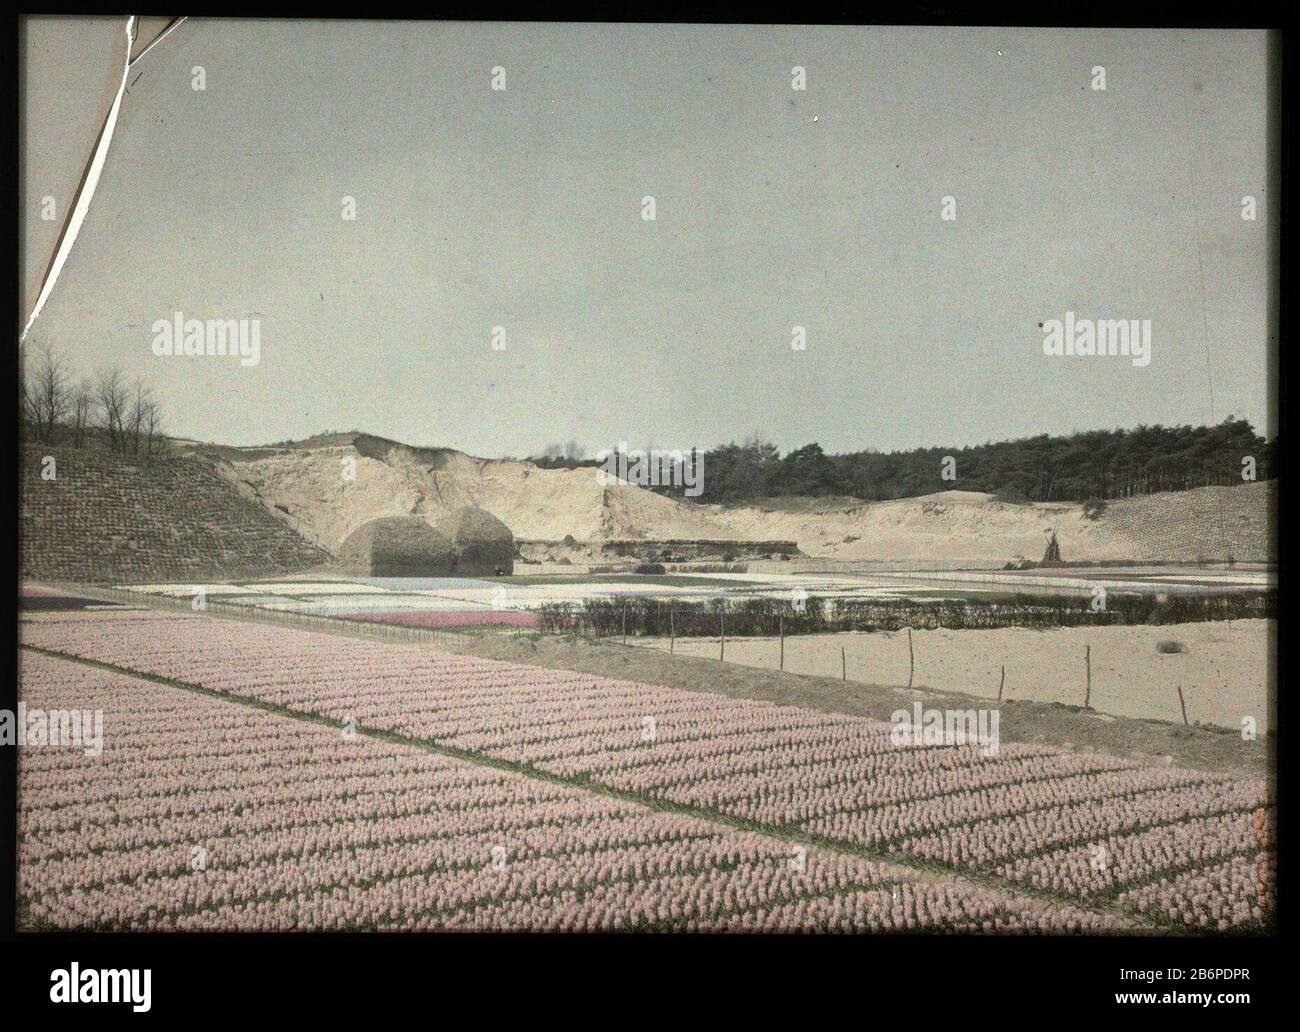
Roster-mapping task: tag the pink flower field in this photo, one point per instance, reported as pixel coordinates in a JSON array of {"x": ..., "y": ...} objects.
[
  {"x": 205, "y": 814},
  {"x": 1051, "y": 838},
  {"x": 436, "y": 619}
]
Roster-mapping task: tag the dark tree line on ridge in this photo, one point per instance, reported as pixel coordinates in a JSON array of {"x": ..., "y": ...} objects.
[{"x": 1093, "y": 465}]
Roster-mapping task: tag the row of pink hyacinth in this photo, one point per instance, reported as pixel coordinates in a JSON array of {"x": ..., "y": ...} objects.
[
  {"x": 831, "y": 775},
  {"x": 989, "y": 841},
  {"x": 1119, "y": 861},
  {"x": 204, "y": 814},
  {"x": 1235, "y": 894},
  {"x": 467, "y": 618},
  {"x": 912, "y": 819}
]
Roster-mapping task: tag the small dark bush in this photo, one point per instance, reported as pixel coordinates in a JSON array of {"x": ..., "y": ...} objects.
[{"x": 1093, "y": 508}]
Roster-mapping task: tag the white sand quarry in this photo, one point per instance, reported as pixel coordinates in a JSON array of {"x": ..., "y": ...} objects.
[
  {"x": 306, "y": 486},
  {"x": 536, "y": 504}
]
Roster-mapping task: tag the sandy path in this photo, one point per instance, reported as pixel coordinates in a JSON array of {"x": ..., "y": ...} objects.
[{"x": 1224, "y": 675}]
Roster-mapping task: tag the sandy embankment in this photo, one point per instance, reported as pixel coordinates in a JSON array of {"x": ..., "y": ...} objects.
[{"x": 1225, "y": 674}]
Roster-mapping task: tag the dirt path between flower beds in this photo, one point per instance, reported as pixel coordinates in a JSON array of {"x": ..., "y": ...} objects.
[{"x": 907, "y": 868}]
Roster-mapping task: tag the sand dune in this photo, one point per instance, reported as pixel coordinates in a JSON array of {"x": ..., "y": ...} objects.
[{"x": 306, "y": 485}]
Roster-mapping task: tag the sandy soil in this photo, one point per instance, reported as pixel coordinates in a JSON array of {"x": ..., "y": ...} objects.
[
  {"x": 953, "y": 526},
  {"x": 1157, "y": 742},
  {"x": 307, "y": 488},
  {"x": 972, "y": 528},
  {"x": 1224, "y": 674}
]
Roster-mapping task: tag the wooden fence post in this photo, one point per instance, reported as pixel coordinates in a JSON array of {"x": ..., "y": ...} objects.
[
  {"x": 911, "y": 658},
  {"x": 1182, "y": 703},
  {"x": 844, "y": 666},
  {"x": 1087, "y": 658},
  {"x": 1002, "y": 682},
  {"x": 782, "y": 631},
  {"x": 722, "y": 641},
  {"x": 672, "y": 632}
]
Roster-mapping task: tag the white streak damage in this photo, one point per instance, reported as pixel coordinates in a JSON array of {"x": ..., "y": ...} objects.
[
  {"x": 156, "y": 40},
  {"x": 88, "y": 184}
]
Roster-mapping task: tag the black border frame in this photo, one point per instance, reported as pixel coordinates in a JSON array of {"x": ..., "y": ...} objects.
[{"x": 897, "y": 978}]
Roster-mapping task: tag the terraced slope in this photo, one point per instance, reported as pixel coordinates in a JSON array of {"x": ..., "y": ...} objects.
[
  {"x": 1205, "y": 524},
  {"x": 106, "y": 519}
]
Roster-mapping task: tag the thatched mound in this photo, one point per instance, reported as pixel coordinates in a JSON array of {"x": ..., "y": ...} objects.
[
  {"x": 1052, "y": 557},
  {"x": 398, "y": 546},
  {"x": 484, "y": 546}
]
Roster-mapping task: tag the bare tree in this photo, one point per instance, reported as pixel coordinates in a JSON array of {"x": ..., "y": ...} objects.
[
  {"x": 141, "y": 402},
  {"x": 111, "y": 400},
  {"x": 46, "y": 394},
  {"x": 54, "y": 405},
  {"x": 83, "y": 403},
  {"x": 152, "y": 428}
]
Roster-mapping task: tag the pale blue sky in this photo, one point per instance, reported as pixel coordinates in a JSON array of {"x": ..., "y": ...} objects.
[{"x": 774, "y": 208}]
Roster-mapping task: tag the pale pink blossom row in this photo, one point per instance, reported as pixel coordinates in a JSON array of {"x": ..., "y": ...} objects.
[
  {"x": 1117, "y": 862},
  {"x": 302, "y": 827},
  {"x": 1235, "y": 895},
  {"x": 989, "y": 841},
  {"x": 885, "y": 824},
  {"x": 466, "y": 618},
  {"x": 831, "y": 775}
]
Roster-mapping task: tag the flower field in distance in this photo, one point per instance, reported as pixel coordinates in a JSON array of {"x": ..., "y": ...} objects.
[{"x": 1092, "y": 838}]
